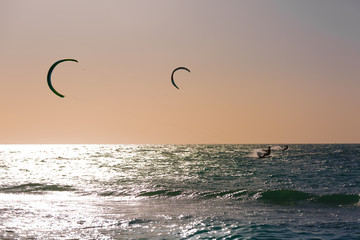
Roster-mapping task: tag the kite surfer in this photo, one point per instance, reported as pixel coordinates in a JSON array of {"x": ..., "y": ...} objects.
[{"x": 266, "y": 153}]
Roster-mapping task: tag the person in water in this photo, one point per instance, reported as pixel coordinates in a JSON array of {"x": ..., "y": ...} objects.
[
  {"x": 285, "y": 148},
  {"x": 267, "y": 152}
]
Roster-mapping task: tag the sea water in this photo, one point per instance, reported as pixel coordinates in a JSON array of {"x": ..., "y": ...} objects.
[{"x": 179, "y": 192}]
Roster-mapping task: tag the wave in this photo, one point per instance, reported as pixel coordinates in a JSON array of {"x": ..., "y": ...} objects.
[
  {"x": 228, "y": 194},
  {"x": 233, "y": 194},
  {"x": 282, "y": 196},
  {"x": 279, "y": 196},
  {"x": 160, "y": 193},
  {"x": 35, "y": 188},
  {"x": 293, "y": 196}
]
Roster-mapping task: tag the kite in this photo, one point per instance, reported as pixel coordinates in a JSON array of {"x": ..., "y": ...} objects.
[
  {"x": 49, "y": 75},
  {"x": 172, "y": 75}
]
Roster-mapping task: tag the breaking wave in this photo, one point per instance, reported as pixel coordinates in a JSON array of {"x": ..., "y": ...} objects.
[{"x": 35, "y": 188}]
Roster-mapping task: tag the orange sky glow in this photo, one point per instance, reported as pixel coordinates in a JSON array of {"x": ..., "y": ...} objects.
[{"x": 261, "y": 71}]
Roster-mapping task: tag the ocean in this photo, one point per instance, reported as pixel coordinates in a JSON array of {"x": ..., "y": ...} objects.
[{"x": 309, "y": 191}]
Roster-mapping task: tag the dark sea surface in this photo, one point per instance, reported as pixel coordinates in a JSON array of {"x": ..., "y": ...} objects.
[{"x": 179, "y": 192}]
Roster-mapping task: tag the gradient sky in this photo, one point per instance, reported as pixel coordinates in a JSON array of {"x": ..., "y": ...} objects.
[{"x": 273, "y": 71}]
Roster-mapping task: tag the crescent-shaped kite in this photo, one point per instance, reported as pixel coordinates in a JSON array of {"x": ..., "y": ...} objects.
[
  {"x": 49, "y": 75},
  {"x": 172, "y": 75}
]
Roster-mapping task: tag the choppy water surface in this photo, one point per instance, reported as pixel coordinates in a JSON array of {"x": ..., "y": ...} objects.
[{"x": 179, "y": 192}]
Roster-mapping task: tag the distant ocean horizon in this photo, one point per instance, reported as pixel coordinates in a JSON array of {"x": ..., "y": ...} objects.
[
  {"x": 260, "y": 144},
  {"x": 179, "y": 191}
]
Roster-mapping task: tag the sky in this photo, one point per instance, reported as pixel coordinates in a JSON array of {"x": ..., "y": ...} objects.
[{"x": 262, "y": 71}]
